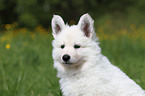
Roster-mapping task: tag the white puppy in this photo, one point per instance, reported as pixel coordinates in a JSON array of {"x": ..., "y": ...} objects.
[{"x": 82, "y": 69}]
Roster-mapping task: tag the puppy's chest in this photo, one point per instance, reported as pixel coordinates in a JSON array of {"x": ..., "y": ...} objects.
[{"x": 79, "y": 86}]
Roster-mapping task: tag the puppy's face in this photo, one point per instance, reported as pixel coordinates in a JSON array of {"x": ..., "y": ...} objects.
[
  {"x": 69, "y": 46},
  {"x": 71, "y": 42}
]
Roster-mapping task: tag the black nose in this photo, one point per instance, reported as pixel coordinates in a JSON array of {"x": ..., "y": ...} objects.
[{"x": 66, "y": 57}]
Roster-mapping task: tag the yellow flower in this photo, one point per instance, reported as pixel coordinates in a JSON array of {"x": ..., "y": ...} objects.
[
  {"x": 7, "y": 26},
  {"x": 8, "y": 46}
]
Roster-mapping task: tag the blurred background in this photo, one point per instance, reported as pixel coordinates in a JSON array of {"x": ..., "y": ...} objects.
[
  {"x": 26, "y": 65},
  {"x": 39, "y": 12}
]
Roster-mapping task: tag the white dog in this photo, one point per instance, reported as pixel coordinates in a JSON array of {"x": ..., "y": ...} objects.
[{"x": 82, "y": 69}]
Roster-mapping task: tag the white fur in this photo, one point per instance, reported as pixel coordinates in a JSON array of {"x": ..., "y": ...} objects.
[{"x": 90, "y": 73}]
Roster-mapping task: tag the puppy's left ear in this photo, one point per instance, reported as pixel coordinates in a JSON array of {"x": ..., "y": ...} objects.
[
  {"x": 57, "y": 25},
  {"x": 86, "y": 24}
]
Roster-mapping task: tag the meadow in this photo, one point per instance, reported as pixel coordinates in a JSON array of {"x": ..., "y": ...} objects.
[{"x": 26, "y": 65}]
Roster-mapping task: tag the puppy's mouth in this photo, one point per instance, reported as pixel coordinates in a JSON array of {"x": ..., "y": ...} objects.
[{"x": 71, "y": 63}]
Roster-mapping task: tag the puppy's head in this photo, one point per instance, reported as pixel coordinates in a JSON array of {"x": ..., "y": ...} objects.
[{"x": 72, "y": 44}]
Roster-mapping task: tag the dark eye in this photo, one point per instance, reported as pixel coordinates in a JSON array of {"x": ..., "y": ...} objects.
[
  {"x": 77, "y": 46},
  {"x": 62, "y": 46}
]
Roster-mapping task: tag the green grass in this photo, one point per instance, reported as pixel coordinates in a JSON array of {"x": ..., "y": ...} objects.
[{"x": 26, "y": 69}]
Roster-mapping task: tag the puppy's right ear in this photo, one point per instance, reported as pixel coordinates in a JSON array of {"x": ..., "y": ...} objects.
[{"x": 57, "y": 25}]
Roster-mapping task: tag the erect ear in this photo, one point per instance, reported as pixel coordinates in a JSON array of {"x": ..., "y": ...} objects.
[
  {"x": 57, "y": 25},
  {"x": 86, "y": 24}
]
